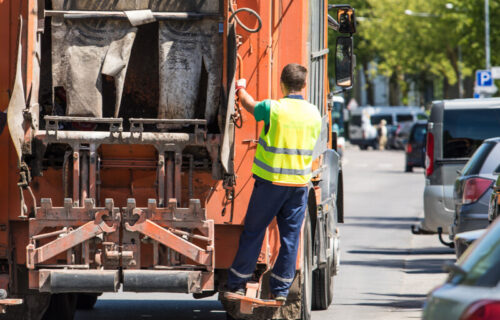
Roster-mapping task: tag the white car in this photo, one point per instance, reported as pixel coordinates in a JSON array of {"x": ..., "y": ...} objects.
[{"x": 364, "y": 121}]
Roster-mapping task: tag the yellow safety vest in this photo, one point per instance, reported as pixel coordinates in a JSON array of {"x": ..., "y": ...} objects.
[{"x": 285, "y": 154}]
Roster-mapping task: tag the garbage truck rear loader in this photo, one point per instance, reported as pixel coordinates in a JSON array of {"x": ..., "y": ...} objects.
[{"x": 125, "y": 163}]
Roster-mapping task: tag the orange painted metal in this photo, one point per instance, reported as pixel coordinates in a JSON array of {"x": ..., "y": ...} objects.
[
  {"x": 169, "y": 239},
  {"x": 87, "y": 231},
  {"x": 255, "y": 302},
  {"x": 9, "y": 302}
]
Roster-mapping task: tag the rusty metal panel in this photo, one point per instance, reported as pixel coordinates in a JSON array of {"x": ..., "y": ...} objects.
[
  {"x": 155, "y": 5},
  {"x": 17, "y": 104},
  {"x": 190, "y": 70},
  {"x": 84, "y": 51}
]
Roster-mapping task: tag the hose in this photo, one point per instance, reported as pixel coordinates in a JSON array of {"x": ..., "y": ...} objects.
[{"x": 251, "y": 11}]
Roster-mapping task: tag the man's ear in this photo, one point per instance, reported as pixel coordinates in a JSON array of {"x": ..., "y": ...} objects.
[{"x": 283, "y": 88}]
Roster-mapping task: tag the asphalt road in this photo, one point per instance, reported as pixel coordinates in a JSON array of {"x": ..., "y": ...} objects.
[{"x": 385, "y": 273}]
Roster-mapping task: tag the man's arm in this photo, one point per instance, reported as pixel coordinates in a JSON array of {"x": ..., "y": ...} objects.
[{"x": 247, "y": 100}]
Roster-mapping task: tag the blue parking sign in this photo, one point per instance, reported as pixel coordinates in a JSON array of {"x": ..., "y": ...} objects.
[{"x": 484, "y": 78}]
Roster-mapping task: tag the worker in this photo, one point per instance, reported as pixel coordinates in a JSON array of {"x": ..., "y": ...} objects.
[{"x": 282, "y": 170}]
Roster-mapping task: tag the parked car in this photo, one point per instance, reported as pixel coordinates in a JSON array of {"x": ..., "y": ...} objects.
[
  {"x": 415, "y": 147},
  {"x": 473, "y": 188},
  {"x": 494, "y": 205},
  {"x": 456, "y": 129},
  {"x": 364, "y": 121},
  {"x": 472, "y": 289},
  {"x": 405, "y": 122},
  {"x": 463, "y": 240}
]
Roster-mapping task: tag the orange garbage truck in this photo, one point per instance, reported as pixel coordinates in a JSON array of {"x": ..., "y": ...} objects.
[{"x": 125, "y": 158}]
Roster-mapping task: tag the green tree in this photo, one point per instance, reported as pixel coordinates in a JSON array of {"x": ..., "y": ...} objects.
[{"x": 424, "y": 45}]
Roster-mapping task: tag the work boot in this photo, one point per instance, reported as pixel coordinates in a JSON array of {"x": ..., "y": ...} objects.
[
  {"x": 239, "y": 291},
  {"x": 280, "y": 298}
]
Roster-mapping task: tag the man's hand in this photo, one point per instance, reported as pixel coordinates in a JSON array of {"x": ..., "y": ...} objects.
[
  {"x": 245, "y": 98},
  {"x": 241, "y": 84}
]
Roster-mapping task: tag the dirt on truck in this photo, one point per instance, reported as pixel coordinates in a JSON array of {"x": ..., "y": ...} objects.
[{"x": 126, "y": 160}]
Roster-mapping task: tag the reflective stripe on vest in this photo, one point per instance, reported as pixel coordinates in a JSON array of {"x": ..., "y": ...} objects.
[
  {"x": 284, "y": 153},
  {"x": 295, "y": 172},
  {"x": 300, "y": 152}
]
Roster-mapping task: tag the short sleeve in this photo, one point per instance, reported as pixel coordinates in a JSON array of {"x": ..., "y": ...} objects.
[{"x": 262, "y": 111}]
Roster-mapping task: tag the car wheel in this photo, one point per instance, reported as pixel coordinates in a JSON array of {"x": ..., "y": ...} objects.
[
  {"x": 363, "y": 147},
  {"x": 408, "y": 168}
]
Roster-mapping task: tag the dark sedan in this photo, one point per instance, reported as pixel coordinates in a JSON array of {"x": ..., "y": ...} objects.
[
  {"x": 415, "y": 148},
  {"x": 472, "y": 190}
]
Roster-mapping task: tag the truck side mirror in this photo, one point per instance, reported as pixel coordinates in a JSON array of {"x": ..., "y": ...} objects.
[
  {"x": 346, "y": 20},
  {"x": 343, "y": 62}
]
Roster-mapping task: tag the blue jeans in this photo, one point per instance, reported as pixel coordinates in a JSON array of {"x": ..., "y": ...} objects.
[{"x": 288, "y": 205}]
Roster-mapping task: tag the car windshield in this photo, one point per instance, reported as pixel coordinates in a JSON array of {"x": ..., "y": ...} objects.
[
  {"x": 419, "y": 133},
  {"x": 481, "y": 261},
  {"x": 375, "y": 119},
  {"x": 464, "y": 130},
  {"x": 404, "y": 118},
  {"x": 356, "y": 121},
  {"x": 473, "y": 166}
]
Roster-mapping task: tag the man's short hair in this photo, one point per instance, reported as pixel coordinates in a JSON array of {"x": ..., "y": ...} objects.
[{"x": 294, "y": 76}]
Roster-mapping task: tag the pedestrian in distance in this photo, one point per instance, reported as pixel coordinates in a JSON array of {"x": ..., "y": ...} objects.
[
  {"x": 282, "y": 170},
  {"x": 382, "y": 134}
]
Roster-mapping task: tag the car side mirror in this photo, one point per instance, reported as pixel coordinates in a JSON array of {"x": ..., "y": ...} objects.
[
  {"x": 343, "y": 62},
  {"x": 496, "y": 172},
  {"x": 346, "y": 20}
]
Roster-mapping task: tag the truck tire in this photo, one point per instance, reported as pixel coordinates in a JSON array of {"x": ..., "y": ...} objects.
[
  {"x": 323, "y": 287},
  {"x": 86, "y": 301},
  {"x": 62, "y": 307},
  {"x": 323, "y": 278},
  {"x": 229, "y": 317},
  {"x": 306, "y": 285}
]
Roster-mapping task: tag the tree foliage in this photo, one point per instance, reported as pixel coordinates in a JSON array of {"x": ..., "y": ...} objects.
[{"x": 424, "y": 43}]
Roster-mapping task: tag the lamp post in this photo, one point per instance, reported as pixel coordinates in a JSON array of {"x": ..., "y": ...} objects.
[
  {"x": 409, "y": 12},
  {"x": 487, "y": 48},
  {"x": 487, "y": 33}
]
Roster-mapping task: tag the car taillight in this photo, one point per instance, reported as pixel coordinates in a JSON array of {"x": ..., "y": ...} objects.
[
  {"x": 482, "y": 310},
  {"x": 474, "y": 188},
  {"x": 429, "y": 155},
  {"x": 409, "y": 148}
]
